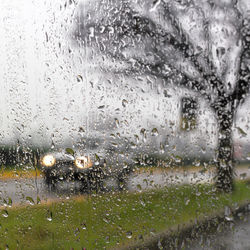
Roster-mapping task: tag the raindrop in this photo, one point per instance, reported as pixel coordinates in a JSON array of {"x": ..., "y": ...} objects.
[
  {"x": 139, "y": 187},
  {"x": 30, "y": 200},
  {"x": 154, "y": 132},
  {"x": 38, "y": 200},
  {"x": 143, "y": 131},
  {"x": 187, "y": 201},
  {"x": 115, "y": 145},
  {"x": 160, "y": 245},
  {"x": 137, "y": 138},
  {"x": 106, "y": 220},
  {"x": 220, "y": 52},
  {"x": 83, "y": 225},
  {"x": 144, "y": 134},
  {"x": 166, "y": 94},
  {"x": 112, "y": 136},
  {"x": 107, "y": 239},
  {"x": 155, "y": 5},
  {"x": 124, "y": 103},
  {"x": 241, "y": 132},
  {"x": 81, "y": 131},
  {"x": 79, "y": 78},
  {"x": 228, "y": 214},
  {"x": 197, "y": 163},
  {"x": 198, "y": 193},
  {"x": 129, "y": 234},
  {"x": 97, "y": 159},
  {"x": 49, "y": 215},
  {"x": 5, "y": 213},
  {"x": 143, "y": 203},
  {"x": 243, "y": 176},
  {"x": 117, "y": 122},
  {"x": 70, "y": 151},
  {"x": 162, "y": 150},
  {"x": 77, "y": 231},
  {"x": 7, "y": 203},
  {"x": 47, "y": 37}
]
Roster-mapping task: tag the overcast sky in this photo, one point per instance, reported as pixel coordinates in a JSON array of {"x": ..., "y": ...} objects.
[{"x": 49, "y": 88}]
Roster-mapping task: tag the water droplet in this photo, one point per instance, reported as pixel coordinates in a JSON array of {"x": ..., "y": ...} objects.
[
  {"x": 137, "y": 138},
  {"x": 115, "y": 145},
  {"x": 107, "y": 239},
  {"x": 220, "y": 52},
  {"x": 117, "y": 122},
  {"x": 243, "y": 176},
  {"x": 30, "y": 200},
  {"x": 139, "y": 187},
  {"x": 129, "y": 234},
  {"x": 154, "y": 132},
  {"x": 241, "y": 132},
  {"x": 81, "y": 131},
  {"x": 166, "y": 94},
  {"x": 83, "y": 225},
  {"x": 70, "y": 151},
  {"x": 97, "y": 159},
  {"x": 5, "y": 213},
  {"x": 144, "y": 134},
  {"x": 187, "y": 201},
  {"x": 8, "y": 202},
  {"x": 162, "y": 150},
  {"x": 155, "y": 5},
  {"x": 228, "y": 214},
  {"x": 124, "y": 103},
  {"x": 101, "y": 107},
  {"x": 77, "y": 231},
  {"x": 79, "y": 78},
  {"x": 106, "y": 220},
  {"x": 38, "y": 200},
  {"x": 49, "y": 215}
]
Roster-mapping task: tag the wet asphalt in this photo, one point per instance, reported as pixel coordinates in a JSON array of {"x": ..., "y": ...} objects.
[
  {"x": 23, "y": 191},
  {"x": 234, "y": 236}
]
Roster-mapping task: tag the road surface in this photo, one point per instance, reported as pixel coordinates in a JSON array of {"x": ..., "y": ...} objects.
[
  {"x": 235, "y": 236},
  {"x": 23, "y": 191}
]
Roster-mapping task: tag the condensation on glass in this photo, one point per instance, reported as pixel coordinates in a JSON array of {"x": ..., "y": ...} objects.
[{"x": 124, "y": 124}]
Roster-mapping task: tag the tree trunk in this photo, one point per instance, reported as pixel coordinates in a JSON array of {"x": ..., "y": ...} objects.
[{"x": 225, "y": 155}]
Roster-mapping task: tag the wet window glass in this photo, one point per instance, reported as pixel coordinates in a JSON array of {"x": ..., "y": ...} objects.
[{"x": 124, "y": 124}]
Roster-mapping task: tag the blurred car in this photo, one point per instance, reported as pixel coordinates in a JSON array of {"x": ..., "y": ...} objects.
[{"x": 89, "y": 169}]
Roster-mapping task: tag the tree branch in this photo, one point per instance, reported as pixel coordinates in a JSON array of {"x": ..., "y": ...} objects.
[
  {"x": 188, "y": 52},
  {"x": 159, "y": 70},
  {"x": 243, "y": 84}
]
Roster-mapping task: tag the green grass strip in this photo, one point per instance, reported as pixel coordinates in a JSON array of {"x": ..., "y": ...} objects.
[{"x": 112, "y": 220}]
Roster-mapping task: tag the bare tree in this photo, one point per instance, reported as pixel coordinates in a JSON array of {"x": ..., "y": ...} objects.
[{"x": 202, "y": 45}]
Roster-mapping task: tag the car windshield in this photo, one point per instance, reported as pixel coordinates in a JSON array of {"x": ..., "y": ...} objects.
[{"x": 124, "y": 124}]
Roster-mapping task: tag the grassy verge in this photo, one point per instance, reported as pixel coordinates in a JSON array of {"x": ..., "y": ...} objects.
[
  {"x": 19, "y": 173},
  {"x": 112, "y": 220}
]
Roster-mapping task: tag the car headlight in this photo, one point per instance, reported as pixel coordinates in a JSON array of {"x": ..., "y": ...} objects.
[
  {"x": 48, "y": 160},
  {"x": 83, "y": 162}
]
